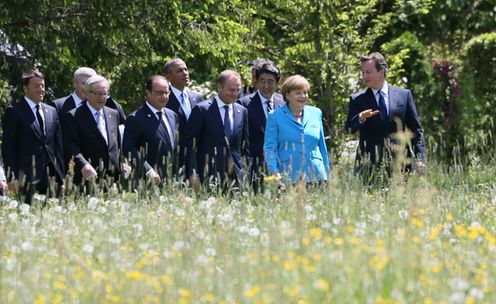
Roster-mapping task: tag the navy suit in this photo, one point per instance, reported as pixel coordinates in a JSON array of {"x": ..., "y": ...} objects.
[
  {"x": 143, "y": 141},
  {"x": 376, "y": 133},
  {"x": 256, "y": 127},
  {"x": 212, "y": 148},
  {"x": 174, "y": 105},
  {"x": 86, "y": 143},
  {"x": 28, "y": 151}
]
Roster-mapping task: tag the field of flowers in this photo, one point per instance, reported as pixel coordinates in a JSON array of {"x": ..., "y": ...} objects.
[{"x": 431, "y": 239}]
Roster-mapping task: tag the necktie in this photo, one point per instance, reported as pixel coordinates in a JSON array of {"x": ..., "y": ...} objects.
[
  {"x": 382, "y": 106},
  {"x": 162, "y": 128},
  {"x": 185, "y": 104},
  {"x": 227, "y": 122},
  {"x": 100, "y": 122},
  {"x": 40, "y": 119},
  {"x": 269, "y": 105}
]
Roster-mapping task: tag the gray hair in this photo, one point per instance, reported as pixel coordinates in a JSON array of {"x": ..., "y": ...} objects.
[
  {"x": 88, "y": 86},
  {"x": 170, "y": 63},
  {"x": 85, "y": 72}
]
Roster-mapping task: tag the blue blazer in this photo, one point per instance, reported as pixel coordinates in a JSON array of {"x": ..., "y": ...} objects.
[
  {"x": 145, "y": 144},
  {"x": 205, "y": 137},
  {"x": 374, "y": 131},
  {"x": 257, "y": 120},
  {"x": 294, "y": 149},
  {"x": 23, "y": 142}
]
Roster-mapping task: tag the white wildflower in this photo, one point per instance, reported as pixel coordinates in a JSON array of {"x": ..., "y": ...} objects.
[
  {"x": 178, "y": 245},
  {"x": 254, "y": 232},
  {"x": 58, "y": 209},
  {"x": 210, "y": 252},
  {"x": 13, "y": 217},
  {"x": 26, "y": 246},
  {"x": 457, "y": 297},
  {"x": 13, "y": 204},
  {"x": 403, "y": 214},
  {"x": 201, "y": 260},
  {"x": 459, "y": 283},
  {"x": 24, "y": 208},
  {"x": 88, "y": 248}
]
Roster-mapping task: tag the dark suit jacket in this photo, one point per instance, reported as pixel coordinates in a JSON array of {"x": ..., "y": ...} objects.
[
  {"x": 23, "y": 142},
  {"x": 87, "y": 145},
  {"x": 206, "y": 130},
  {"x": 257, "y": 120},
  {"x": 143, "y": 141},
  {"x": 374, "y": 132},
  {"x": 65, "y": 104}
]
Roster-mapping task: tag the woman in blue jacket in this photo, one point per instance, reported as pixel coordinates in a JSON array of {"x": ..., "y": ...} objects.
[{"x": 294, "y": 143}]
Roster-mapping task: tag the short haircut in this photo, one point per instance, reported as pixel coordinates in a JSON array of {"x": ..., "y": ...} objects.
[
  {"x": 224, "y": 75},
  {"x": 379, "y": 61},
  {"x": 152, "y": 79},
  {"x": 26, "y": 76},
  {"x": 84, "y": 72},
  {"x": 268, "y": 68},
  {"x": 88, "y": 86},
  {"x": 295, "y": 82},
  {"x": 170, "y": 63}
]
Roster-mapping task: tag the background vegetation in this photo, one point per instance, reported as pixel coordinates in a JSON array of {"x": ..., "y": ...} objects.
[{"x": 444, "y": 51}]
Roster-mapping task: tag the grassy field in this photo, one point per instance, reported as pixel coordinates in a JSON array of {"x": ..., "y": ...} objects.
[{"x": 431, "y": 239}]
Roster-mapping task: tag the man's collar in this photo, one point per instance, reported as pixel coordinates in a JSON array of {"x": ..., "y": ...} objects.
[
  {"x": 220, "y": 103},
  {"x": 176, "y": 91},
  {"x": 93, "y": 110},
  {"x": 76, "y": 98},
  {"x": 384, "y": 89},
  {"x": 153, "y": 109},
  {"x": 31, "y": 103}
]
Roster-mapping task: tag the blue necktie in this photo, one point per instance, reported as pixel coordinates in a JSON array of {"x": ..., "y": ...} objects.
[
  {"x": 163, "y": 129},
  {"x": 382, "y": 106},
  {"x": 227, "y": 122}
]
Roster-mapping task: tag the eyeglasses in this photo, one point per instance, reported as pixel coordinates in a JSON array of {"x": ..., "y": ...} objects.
[
  {"x": 100, "y": 94},
  {"x": 160, "y": 93}
]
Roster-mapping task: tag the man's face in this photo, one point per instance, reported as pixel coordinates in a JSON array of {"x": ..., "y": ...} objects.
[
  {"x": 35, "y": 90},
  {"x": 97, "y": 96},
  {"x": 229, "y": 90},
  {"x": 266, "y": 85},
  {"x": 372, "y": 78},
  {"x": 78, "y": 84},
  {"x": 179, "y": 75},
  {"x": 159, "y": 95}
]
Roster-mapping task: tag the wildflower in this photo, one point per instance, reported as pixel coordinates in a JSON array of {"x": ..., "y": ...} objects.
[
  {"x": 13, "y": 204},
  {"x": 403, "y": 214},
  {"x": 88, "y": 248},
  {"x": 253, "y": 291},
  {"x": 24, "y": 208},
  {"x": 254, "y": 232},
  {"x": 26, "y": 246},
  {"x": 185, "y": 293},
  {"x": 321, "y": 284}
]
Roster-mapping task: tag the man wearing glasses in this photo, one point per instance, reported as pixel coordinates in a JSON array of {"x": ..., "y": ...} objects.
[
  {"x": 149, "y": 136},
  {"x": 93, "y": 137}
]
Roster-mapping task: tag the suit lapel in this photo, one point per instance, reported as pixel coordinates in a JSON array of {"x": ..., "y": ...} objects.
[
  {"x": 393, "y": 101},
  {"x": 215, "y": 114},
  {"x": 88, "y": 116},
  {"x": 111, "y": 128},
  {"x": 258, "y": 108},
  {"x": 172, "y": 123},
  {"x": 237, "y": 119},
  {"x": 31, "y": 119}
]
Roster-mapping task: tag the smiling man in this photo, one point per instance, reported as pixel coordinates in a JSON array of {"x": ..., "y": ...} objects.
[
  {"x": 375, "y": 112},
  {"x": 217, "y": 132},
  {"x": 93, "y": 137},
  {"x": 32, "y": 141}
]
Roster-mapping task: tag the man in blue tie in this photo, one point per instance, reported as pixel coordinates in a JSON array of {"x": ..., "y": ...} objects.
[
  {"x": 217, "y": 134},
  {"x": 181, "y": 100},
  {"x": 379, "y": 112}
]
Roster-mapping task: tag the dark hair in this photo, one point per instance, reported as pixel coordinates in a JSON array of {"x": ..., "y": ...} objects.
[
  {"x": 170, "y": 63},
  {"x": 26, "y": 76},
  {"x": 152, "y": 79},
  {"x": 379, "y": 61},
  {"x": 268, "y": 68}
]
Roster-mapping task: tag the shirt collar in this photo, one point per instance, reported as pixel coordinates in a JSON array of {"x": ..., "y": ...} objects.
[
  {"x": 152, "y": 108},
  {"x": 177, "y": 92},
  {"x": 263, "y": 99},
  {"x": 384, "y": 89},
  {"x": 220, "y": 103},
  {"x": 31, "y": 103},
  {"x": 93, "y": 110},
  {"x": 76, "y": 98}
]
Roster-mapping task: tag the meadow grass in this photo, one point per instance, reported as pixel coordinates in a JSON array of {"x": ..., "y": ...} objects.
[{"x": 430, "y": 239}]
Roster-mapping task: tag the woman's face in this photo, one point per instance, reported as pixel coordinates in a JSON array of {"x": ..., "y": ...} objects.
[{"x": 297, "y": 99}]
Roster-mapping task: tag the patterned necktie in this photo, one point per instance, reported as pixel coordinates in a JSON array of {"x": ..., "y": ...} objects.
[
  {"x": 40, "y": 119},
  {"x": 162, "y": 128},
  {"x": 382, "y": 106},
  {"x": 100, "y": 122},
  {"x": 269, "y": 105},
  {"x": 185, "y": 105},
  {"x": 227, "y": 122}
]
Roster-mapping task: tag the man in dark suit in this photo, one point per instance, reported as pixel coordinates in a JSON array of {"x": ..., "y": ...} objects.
[
  {"x": 217, "y": 131},
  {"x": 376, "y": 111},
  {"x": 92, "y": 136},
  {"x": 181, "y": 100},
  {"x": 259, "y": 104},
  {"x": 76, "y": 98},
  {"x": 32, "y": 141},
  {"x": 149, "y": 133}
]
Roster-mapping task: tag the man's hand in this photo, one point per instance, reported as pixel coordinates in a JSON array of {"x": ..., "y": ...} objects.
[
  {"x": 367, "y": 114},
  {"x": 126, "y": 169},
  {"x": 154, "y": 177},
  {"x": 420, "y": 167},
  {"x": 89, "y": 172},
  {"x": 3, "y": 187},
  {"x": 14, "y": 185}
]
